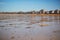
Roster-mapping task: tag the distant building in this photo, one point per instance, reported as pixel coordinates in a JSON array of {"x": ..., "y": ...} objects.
[
  {"x": 42, "y": 11},
  {"x": 51, "y": 12},
  {"x": 20, "y": 12},
  {"x": 37, "y": 12},
  {"x": 56, "y": 11},
  {"x": 45, "y": 12},
  {"x": 59, "y": 11},
  {"x": 33, "y": 12}
]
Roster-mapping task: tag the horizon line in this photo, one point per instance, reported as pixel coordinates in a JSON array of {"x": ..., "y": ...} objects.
[{"x": 30, "y": 10}]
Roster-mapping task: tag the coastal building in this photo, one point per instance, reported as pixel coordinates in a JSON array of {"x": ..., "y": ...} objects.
[
  {"x": 51, "y": 12},
  {"x": 56, "y": 11},
  {"x": 42, "y": 11},
  {"x": 59, "y": 11},
  {"x": 33, "y": 12},
  {"x": 46, "y": 11}
]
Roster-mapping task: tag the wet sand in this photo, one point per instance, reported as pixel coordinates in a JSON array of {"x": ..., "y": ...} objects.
[{"x": 29, "y": 27}]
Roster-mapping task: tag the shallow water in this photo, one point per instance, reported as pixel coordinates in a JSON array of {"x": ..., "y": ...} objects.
[{"x": 30, "y": 28}]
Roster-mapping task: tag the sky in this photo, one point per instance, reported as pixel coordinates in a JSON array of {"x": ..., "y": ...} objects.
[{"x": 28, "y": 5}]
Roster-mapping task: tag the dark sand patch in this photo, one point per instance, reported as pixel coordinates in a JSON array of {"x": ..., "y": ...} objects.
[
  {"x": 12, "y": 37},
  {"x": 28, "y": 27},
  {"x": 56, "y": 31},
  {"x": 2, "y": 26}
]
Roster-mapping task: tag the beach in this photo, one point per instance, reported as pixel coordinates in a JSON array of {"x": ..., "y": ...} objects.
[{"x": 29, "y": 26}]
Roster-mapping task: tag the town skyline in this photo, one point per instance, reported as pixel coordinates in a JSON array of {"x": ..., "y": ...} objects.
[{"x": 42, "y": 11}]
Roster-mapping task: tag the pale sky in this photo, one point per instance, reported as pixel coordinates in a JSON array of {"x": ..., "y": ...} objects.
[{"x": 28, "y": 5}]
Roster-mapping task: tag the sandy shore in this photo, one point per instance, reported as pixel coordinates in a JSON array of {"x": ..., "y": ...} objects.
[
  {"x": 6, "y": 16},
  {"x": 29, "y": 26}
]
